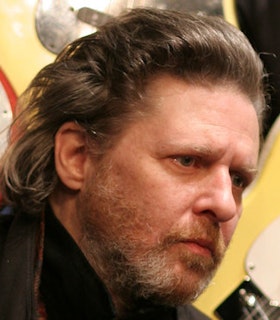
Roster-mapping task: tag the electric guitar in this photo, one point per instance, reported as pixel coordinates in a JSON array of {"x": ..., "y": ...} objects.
[
  {"x": 34, "y": 31},
  {"x": 261, "y": 207},
  {"x": 58, "y": 22},
  {"x": 247, "y": 302},
  {"x": 258, "y": 296}
]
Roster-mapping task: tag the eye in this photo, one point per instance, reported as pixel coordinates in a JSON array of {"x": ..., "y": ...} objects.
[
  {"x": 186, "y": 161},
  {"x": 238, "y": 181}
]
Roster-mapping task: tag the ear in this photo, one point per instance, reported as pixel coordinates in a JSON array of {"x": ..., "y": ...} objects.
[{"x": 71, "y": 155}]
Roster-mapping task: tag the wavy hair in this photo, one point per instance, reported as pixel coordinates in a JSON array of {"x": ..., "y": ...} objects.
[{"x": 99, "y": 80}]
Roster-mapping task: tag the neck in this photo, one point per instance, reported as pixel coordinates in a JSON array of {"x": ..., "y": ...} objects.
[{"x": 63, "y": 204}]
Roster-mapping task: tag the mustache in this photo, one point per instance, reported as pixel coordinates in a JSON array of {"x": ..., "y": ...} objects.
[{"x": 204, "y": 232}]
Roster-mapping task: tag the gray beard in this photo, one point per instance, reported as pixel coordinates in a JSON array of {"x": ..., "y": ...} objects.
[
  {"x": 129, "y": 267},
  {"x": 149, "y": 277}
]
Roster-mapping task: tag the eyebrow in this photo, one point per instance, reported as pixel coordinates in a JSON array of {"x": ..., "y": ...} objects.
[
  {"x": 251, "y": 172},
  {"x": 185, "y": 148},
  {"x": 206, "y": 151}
]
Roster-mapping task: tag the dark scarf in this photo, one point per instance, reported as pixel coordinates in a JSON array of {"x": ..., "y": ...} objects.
[{"x": 70, "y": 289}]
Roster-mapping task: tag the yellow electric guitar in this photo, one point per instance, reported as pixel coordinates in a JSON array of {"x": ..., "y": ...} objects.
[
  {"x": 258, "y": 296},
  {"x": 261, "y": 208}
]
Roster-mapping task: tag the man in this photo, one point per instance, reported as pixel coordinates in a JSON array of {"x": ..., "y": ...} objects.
[{"x": 125, "y": 172}]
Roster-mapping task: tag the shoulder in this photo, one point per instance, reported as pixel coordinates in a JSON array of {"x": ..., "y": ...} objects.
[
  {"x": 189, "y": 312},
  {"x": 6, "y": 216}
]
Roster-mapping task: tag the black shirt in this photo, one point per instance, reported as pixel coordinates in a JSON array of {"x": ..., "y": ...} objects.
[{"x": 70, "y": 288}]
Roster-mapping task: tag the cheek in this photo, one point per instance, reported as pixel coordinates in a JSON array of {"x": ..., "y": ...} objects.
[
  {"x": 159, "y": 199},
  {"x": 153, "y": 209},
  {"x": 163, "y": 199},
  {"x": 228, "y": 228},
  {"x": 163, "y": 211}
]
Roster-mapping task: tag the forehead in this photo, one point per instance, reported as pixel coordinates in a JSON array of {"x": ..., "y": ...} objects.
[
  {"x": 174, "y": 98},
  {"x": 183, "y": 113}
]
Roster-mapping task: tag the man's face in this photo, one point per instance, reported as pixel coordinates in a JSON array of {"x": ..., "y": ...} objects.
[{"x": 161, "y": 206}]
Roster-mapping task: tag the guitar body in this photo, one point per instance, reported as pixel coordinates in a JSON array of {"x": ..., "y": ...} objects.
[
  {"x": 262, "y": 265},
  {"x": 21, "y": 53},
  {"x": 33, "y": 31},
  {"x": 261, "y": 208},
  {"x": 247, "y": 302}
]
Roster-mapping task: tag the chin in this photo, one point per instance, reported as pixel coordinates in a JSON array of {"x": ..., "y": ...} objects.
[{"x": 190, "y": 283}]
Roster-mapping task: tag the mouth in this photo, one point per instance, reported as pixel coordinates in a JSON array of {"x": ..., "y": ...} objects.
[{"x": 201, "y": 247}]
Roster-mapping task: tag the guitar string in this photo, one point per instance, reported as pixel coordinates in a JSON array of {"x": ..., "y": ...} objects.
[{"x": 266, "y": 312}]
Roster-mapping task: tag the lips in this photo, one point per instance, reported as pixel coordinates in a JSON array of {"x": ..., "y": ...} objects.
[{"x": 201, "y": 246}]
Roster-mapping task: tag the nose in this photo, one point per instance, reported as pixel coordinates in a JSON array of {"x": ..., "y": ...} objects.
[{"x": 216, "y": 196}]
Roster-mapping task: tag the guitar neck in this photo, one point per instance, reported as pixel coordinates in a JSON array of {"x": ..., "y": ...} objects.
[{"x": 246, "y": 303}]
